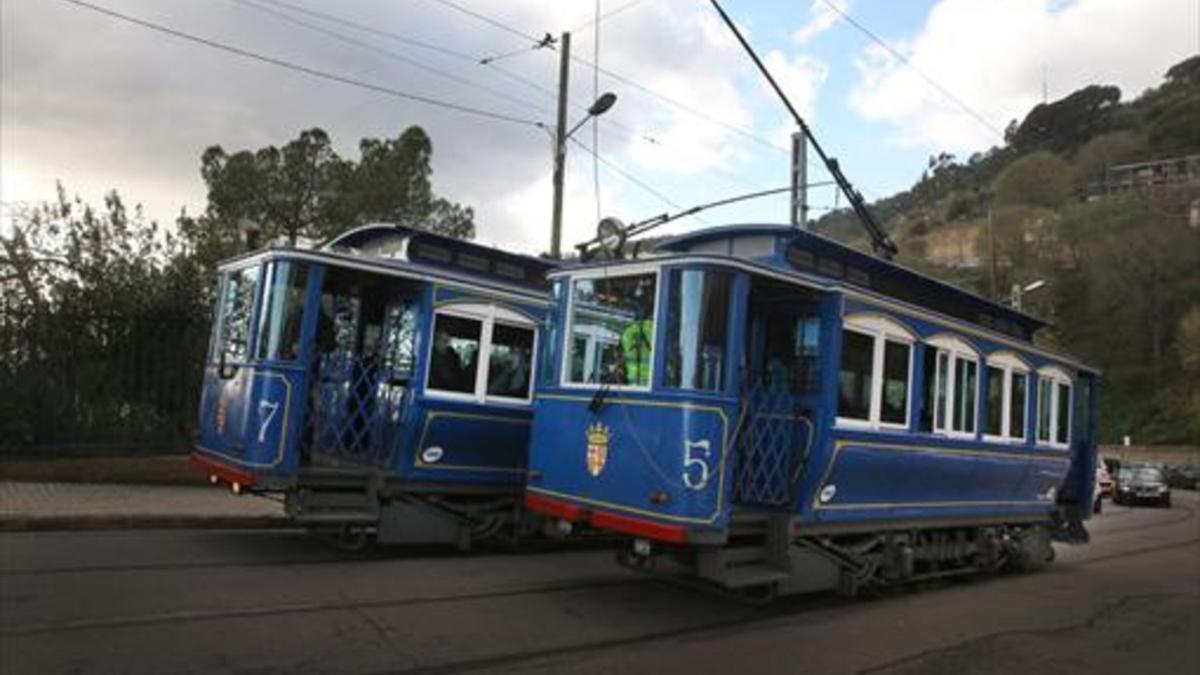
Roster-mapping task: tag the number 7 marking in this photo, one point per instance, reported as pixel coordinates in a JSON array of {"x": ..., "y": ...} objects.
[{"x": 272, "y": 407}]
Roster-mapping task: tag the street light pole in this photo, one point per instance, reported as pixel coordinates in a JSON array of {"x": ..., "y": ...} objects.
[{"x": 560, "y": 142}]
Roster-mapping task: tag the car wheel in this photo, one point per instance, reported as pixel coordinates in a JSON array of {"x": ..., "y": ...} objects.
[{"x": 1166, "y": 502}]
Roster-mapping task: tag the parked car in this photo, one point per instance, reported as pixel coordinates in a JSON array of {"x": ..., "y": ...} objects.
[
  {"x": 1137, "y": 484},
  {"x": 1184, "y": 477},
  {"x": 1104, "y": 481}
]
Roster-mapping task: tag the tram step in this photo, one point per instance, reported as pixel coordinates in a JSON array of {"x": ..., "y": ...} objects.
[
  {"x": 752, "y": 575},
  {"x": 336, "y": 518}
]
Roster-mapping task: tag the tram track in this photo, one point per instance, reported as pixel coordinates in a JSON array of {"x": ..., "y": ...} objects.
[
  {"x": 760, "y": 615},
  {"x": 190, "y": 616}
]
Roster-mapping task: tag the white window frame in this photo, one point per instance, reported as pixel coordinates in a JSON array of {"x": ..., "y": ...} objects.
[
  {"x": 488, "y": 315},
  {"x": 569, "y": 334},
  {"x": 1013, "y": 367},
  {"x": 1055, "y": 376},
  {"x": 956, "y": 349},
  {"x": 881, "y": 330}
]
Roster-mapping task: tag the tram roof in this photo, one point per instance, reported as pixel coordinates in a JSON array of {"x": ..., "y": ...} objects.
[
  {"x": 808, "y": 254},
  {"x": 389, "y": 246}
]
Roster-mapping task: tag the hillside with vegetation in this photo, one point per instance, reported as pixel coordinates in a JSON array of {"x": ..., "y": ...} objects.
[{"x": 1119, "y": 249}]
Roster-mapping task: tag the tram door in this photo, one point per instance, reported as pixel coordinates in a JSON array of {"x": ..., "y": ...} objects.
[
  {"x": 781, "y": 390},
  {"x": 362, "y": 367}
]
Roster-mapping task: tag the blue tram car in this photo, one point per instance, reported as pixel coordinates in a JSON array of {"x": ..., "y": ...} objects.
[
  {"x": 771, "y": 411},
  {"x": 382, "y": 382}
]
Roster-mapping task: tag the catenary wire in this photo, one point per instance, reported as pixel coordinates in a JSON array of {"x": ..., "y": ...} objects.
[
  {"x": 905, "y": 60},
  {"x": 619, "y": 78},
  {"x": 313, "y": 72},
  {"x": 342, "y": 37}
]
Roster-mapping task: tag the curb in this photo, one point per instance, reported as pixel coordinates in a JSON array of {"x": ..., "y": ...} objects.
[{"x": 132, "y": 522}]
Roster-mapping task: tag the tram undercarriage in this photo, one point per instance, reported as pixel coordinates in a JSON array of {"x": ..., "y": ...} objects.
[
  {"x": 768, "y": 557},
  {"x": 353, "y": 509}
]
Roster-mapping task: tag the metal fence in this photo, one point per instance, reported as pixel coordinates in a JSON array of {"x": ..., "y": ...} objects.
[{"x": 118, "y": 386}]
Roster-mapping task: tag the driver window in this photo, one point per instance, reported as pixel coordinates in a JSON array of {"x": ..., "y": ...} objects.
[
  {"x": 236, "y": 305},
  {"x": 612, "y": 330}
]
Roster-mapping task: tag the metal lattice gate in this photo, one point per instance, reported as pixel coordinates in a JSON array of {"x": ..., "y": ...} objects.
[
  {"x": 353, "y": 413},
  {"x": 769, "y": 449}
]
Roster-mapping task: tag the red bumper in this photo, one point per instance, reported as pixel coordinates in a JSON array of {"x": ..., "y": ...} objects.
[
  {"x": 223, "y": 472},
  {"x": 606, "y": 520}
]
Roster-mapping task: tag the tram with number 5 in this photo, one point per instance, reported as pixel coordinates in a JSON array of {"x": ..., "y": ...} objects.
[
  {"x": 766, "y": 410},
  {"x": 382, "y": 384}
]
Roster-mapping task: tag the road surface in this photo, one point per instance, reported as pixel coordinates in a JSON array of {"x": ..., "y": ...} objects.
[{"x": 278, "y": 601}]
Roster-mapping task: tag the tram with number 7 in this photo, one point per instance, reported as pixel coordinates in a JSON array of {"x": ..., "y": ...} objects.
[
  {"x": 765, "y": 410},
  {"x": 381, "y": 383}
]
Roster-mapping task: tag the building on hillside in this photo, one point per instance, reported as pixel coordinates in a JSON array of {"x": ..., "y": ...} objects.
[{"x": 1175, "y": 180}]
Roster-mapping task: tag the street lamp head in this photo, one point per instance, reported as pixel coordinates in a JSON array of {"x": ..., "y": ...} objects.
[
  {"x": 602, "y": 104},
  {"x": 1034, "y": 286}
]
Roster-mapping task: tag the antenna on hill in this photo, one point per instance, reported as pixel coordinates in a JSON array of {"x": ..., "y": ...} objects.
[{"x": 880, "y": 241}]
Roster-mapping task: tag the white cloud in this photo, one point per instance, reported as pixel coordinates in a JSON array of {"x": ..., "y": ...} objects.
[
  {"x": 991, "y": 53},
  {"x": 822, "y": 18},
  {"x": 102, "y": 104}
]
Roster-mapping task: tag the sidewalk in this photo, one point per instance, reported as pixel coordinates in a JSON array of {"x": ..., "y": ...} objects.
[{"x": 83, "y": 506}]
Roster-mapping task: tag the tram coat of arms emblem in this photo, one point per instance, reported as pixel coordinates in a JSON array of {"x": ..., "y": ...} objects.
[{"x": 597, "y": 448}]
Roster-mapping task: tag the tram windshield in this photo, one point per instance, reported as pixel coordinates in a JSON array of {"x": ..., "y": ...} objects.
[
  {"x": 238, "y": 289},
  {"x": 612, "y": 330},
  {"x": 279, "y": 321}
]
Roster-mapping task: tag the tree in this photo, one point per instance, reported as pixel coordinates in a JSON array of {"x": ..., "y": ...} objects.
[
  {"x": 1069, "y": 122},
  {"x": 1037, "y": 179},
  {"x": 285, "y": 191},
  {"x": 102, "y": 327},
  {"x": 1173, "y": 108},
  {"x": 306, "y": 189}
]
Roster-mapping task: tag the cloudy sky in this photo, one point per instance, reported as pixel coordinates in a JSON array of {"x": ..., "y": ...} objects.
[{"x": 100, "y": 103}]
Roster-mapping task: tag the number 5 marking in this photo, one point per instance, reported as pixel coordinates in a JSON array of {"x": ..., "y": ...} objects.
[
  {"x": 272, "y": 407},
  {"x": 691, "y": 459}
]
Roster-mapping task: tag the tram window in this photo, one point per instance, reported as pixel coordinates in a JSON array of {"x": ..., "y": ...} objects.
[
  {"x": 1062, "y": 427},
  {"x": 510, "y": 361},
  {"x": 965, "y": 392},
  {"x": 929, "y": 371},
  {"x": 956, "y": 387},
  {"x": 993, "y": 423},
  {"x": 855, "y": 379},
  {"x": 612, "y": 330},
  {"x": 455, "y": 354},
  {"x": 790, "y": 357},
  {"x": 1044, "y": 402},
  {"x": 875, "y": 374},
  {"x": 236, "y": 306},
  {"x": 550, "y": 334},
  {"x": 400, "y": 339},
  {"x": 282, "y": 310},
  {"x": 697, "y": 327},
  {"x": 894, "y": 405},
  {"x": 1016, "y": 407}
]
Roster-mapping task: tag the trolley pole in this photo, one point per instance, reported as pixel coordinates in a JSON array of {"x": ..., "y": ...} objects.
[{"x": 560, "y": 142}]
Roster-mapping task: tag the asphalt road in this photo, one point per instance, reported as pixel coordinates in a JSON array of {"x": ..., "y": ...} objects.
[{"x": 276, "y": 601}]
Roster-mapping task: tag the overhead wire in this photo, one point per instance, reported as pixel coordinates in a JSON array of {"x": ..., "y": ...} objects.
[
  {"x": 978, "y": 117},
  {"x": 749, "y": 135},
  {"x": 598, "y": 18},
  {"x": 300, "y": 68},
  {"x": 614, "y": 125},
  {"x": 342, "y": 37},
  {"x": 412, "y": 42}
]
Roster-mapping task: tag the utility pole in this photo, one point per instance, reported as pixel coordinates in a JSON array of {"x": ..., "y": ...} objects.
[
  {"x": 992, "y": 285},
  {"x": 560, "y": 142},
  {"x": 799, "y": 210}
]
